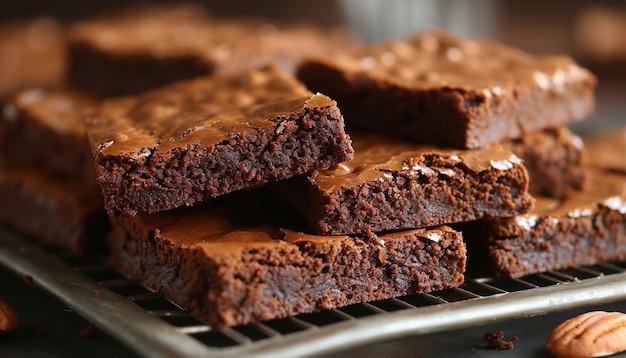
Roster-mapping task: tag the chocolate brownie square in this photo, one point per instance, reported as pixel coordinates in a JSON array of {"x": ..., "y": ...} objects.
[
  {"x": 439, "y": 89},
  {"x": 47, "y": 176},
  {"x": 202, "y": 138},
  {"x": 554, "y": 159},
  {"x": 391, "y": 184},
  {"x": 144, "y": 47},
  {"x": 32, "y": 54},
  {"x": 46, "y": 129},
  {"x": 63, "y": 213},
  {"x": 585, "y": 228},
  {"x": 243, "y": 260}
]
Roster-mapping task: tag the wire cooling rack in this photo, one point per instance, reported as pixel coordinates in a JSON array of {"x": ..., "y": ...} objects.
[{"x": 154, "y": 327}]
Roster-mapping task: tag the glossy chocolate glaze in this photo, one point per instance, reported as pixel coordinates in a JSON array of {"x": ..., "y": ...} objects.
[
  {"x": 202, "y": 111},
  {"x": 245, "y": 222},
  {"x": 436, "y": 59},
  {"x": 377, "y": 156}
]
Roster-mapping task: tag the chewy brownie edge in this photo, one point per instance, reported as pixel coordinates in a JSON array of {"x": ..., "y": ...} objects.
[
  {"x": 392, "y": 185},
  {"x": 552, "y": 246},
  {"x": 274, "y": 280},
  {"x": 554, "y": 159},
  {"x": 583, "y": 229}
]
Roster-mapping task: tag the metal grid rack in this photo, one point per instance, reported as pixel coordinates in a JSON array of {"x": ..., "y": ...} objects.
[{"x": 155, "y": 327}]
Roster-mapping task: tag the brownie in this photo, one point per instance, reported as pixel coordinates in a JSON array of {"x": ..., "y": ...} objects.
[
  {"x": 47, "y": 177},
  {"x": 606, "y": 149},
  {"x": 391, "y": 184},
  {"x": 439, "y": 89},
  {"x": 202, "y": 138},
  {"x": 140, "y": 48},
  {"x": 586, "y": 228},
  {"x": 32, "y": 54},
  {"x": 554, "y": 159},
  {"x": 63, "y": 213},
  {"x": 46, "y": 128},
  {"x": 233, "y": 262}
]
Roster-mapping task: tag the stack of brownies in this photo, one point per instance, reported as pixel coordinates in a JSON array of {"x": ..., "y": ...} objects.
[
  {"x": 47, "y": 182},
  {"x": 438, "y": 89},
  {"x": 238, "y": 194}
]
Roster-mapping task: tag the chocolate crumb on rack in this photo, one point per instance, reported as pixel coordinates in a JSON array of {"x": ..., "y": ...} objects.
[{"x": 495, "y": 340}]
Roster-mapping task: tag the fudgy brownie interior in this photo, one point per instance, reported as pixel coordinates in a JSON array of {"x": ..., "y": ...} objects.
[
  {"x": 210, "y": 136},
  {"x": 244, "y": 259}
]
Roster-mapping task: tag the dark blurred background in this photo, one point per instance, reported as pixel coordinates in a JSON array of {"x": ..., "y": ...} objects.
[
  {"x": 576, "y": 27},
  {"x": 593, "y": 32},
  {"x": 324, "y": 12},
  {"x": 535, "y": 25}
]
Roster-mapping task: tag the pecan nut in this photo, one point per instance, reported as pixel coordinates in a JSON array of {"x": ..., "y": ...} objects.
[{"x": 593, "y": 334}]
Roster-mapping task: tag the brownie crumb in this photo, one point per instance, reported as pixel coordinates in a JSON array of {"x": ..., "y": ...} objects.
[
  {"x": 28, "y": 279},
  {"x": 495, "y": 340},
  {"x": 87, "y": 332}
]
